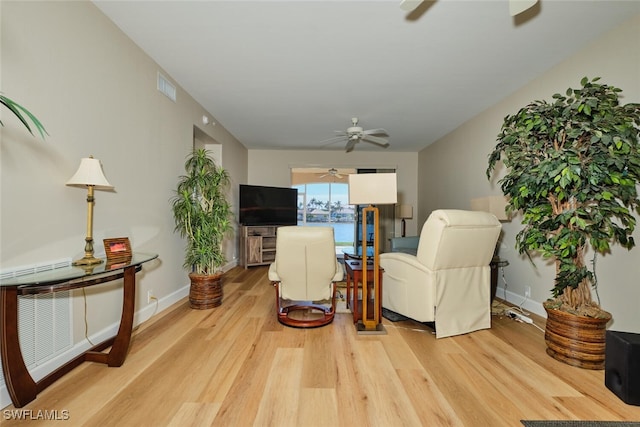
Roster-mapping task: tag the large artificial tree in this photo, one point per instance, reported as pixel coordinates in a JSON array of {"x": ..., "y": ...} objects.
[{"x": 573, "y": 166}]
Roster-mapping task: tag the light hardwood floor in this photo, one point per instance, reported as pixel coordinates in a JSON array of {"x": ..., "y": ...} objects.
[{"x": 235, "y": 365}]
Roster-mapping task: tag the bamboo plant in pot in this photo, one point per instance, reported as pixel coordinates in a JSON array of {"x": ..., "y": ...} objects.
[
  {"x": 203, "y": 216},
  {"x": 572, "y": 168}
]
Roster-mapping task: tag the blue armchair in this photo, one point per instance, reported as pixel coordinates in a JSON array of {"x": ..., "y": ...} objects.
[{"x": 407, "y": 245}]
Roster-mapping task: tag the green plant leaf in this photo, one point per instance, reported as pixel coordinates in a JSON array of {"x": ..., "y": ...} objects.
[
  {"x": 202, "y": 213},
  {"x": 20, "y": 112}
]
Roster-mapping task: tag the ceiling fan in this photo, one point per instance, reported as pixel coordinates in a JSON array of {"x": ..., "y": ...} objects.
[
  {"x": 515, "y": 6},
  {"x": 333, "y": 173},
  {"x": 355, "y": 134}
]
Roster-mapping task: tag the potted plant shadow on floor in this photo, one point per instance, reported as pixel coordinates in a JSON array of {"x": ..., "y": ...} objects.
[
  {"x": 203, "y": 216},
  {"x": 572, "y": 168}
]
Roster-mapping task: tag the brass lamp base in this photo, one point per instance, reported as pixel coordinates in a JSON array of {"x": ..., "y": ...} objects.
[{"x": 87, "y": 260}]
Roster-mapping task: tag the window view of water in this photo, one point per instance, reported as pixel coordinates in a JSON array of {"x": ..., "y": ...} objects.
[
  {"x": 327, "y": 205},
  {"x": 342, "y": 231}
]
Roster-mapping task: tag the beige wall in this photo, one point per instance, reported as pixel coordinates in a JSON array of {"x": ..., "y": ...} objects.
[
  {"x": 273, "y": 167},
  {"x": 95, "y": 91},
  {"x": 452, "y": 171}
]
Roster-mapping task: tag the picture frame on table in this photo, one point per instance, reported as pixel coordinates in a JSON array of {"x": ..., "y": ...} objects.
[{"x": 117, "y": 250}]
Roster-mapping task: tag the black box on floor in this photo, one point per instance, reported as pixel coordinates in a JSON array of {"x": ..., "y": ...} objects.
[{"x": 622, "y": 366}]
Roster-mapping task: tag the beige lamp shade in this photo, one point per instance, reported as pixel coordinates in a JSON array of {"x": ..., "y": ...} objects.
[
  {"x": 405, "y": 211},
  {"x": 373, "y": 189},
  {"x": 492, "y": 204},
  {"x": 90, "y": 173}
]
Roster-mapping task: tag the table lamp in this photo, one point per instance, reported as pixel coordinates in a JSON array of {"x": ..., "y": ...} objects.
[
  {"x": 372, "y": 189},
  {"x": 90, "y": 176},
  {"x": 405, "y": 212}
]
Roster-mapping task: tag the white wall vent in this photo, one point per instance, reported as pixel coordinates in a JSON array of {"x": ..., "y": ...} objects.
[
  {"x": 166, "y": 87},
  {"x": 44, "y": 320},
  {"x": 34, "y": 268},
  {"x": 44, "y": 327}
]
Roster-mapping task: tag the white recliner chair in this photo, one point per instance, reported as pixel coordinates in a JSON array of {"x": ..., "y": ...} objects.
[
  {"x": 305, "y": 273},
  {"x": 448, "y": 280}
]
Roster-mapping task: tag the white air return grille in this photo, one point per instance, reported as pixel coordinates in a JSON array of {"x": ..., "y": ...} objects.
[
  {"x": 34, "y": 268},
  {"x": 44, "y": 324},
  {"x": 165, "y": 86},
  {"x": 44, "y": 321},
  {"x": 44, "y": 327}
]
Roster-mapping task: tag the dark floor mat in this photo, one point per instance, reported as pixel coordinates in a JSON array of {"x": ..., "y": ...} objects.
[
  {"x": 579, "y": 423},
  {"x": 393, "y": 316}
]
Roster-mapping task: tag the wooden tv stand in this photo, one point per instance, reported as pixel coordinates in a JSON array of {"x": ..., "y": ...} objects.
[{"x": 258, "y": 245}]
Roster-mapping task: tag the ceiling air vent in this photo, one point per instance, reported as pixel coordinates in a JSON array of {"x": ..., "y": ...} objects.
[{"x": 165, "y": 86}]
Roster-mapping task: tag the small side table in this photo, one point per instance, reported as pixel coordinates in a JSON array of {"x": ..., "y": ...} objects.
[
  {"x": 354, "y": 274},
  {"x": 495, "y": 264}
]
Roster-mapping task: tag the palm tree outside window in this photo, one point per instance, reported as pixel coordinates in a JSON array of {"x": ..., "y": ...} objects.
[{"x": 326, "y": 204}]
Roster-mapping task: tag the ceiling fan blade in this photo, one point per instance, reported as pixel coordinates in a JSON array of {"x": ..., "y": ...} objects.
[
  {"x": 351, "y": 145},
  {"x": 377, "y": 132},
  {"x": 332, "y": 172},
  {"x": 333, "y": 140},
  {"x": 515, "y": 6},
  {"x": 518, "y": 6},
  {"x": 409, "y": 5},
  {"x": 376, "y": 140}
]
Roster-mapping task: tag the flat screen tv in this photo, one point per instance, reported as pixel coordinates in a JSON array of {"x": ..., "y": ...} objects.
[{"x": 260, "y": 205}]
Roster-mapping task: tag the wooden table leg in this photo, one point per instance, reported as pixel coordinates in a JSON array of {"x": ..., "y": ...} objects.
[
  {"x": 348, "y": 296},
  {"x": 357, "y": 277},
  {"x": 21, "y": 386},
  {"x": 121, "y": 342},
  {"x": 379, "y": 296}
]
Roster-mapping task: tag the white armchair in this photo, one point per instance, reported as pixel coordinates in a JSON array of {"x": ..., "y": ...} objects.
[
  {"x": 448, "y": 280},
  {"x": 304, "y": 273}
]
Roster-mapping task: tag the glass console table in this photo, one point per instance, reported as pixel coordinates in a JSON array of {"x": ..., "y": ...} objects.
[{"x": 21, "y": 386}]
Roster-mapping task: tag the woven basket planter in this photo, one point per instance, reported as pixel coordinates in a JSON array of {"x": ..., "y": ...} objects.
[
  {"x": 576, "y": 340},
  {"x": 205, "y": 291}
]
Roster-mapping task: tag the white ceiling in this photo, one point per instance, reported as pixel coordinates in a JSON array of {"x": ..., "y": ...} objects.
[{"x": 287, "y": 74}]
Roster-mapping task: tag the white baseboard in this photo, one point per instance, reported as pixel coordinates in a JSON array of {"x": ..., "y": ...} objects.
[
  {"x": 526, "y": 304},
  {"x": 159, "y": 306},
  {"x": 141, "y": 316}
]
